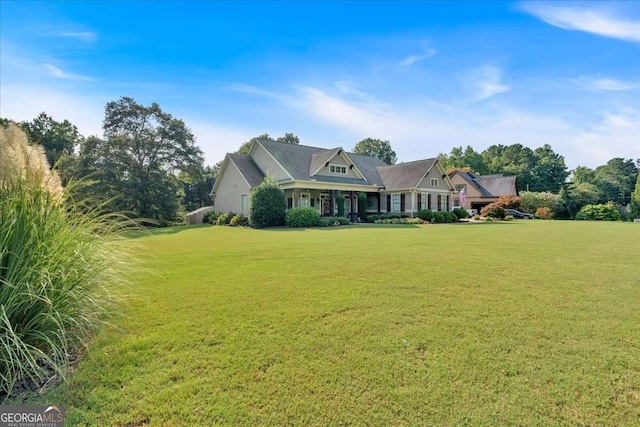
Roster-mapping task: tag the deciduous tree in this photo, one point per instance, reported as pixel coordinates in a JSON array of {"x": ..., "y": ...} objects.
[{"x": 377, "y": 148}]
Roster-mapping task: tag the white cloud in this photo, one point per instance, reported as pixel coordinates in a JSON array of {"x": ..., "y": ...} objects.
[
  {"x": 420, "y": 131},
  {"x": 87, "y": 36},
  {"x": 216, "y": 140},
  {"x": 485, "y": 82},
  {"x": 22, "y": 102},
  {"x": 595, "y": 20},
  {"x": 604, "y": 84},
  {"x": 54, "y": 71},
  {"x": 412, "y": 59}
]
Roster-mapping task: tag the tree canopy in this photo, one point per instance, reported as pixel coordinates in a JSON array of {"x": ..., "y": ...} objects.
[
  {"x": 376, "y": 148},
  {"x": 57, "y": 138},
  {"x": 537, "y": 170}
]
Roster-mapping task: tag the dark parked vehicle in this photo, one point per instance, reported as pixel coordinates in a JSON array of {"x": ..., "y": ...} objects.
[{"x": 517, "y": 214}]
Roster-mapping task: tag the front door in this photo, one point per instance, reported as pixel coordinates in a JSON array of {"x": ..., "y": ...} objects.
[{"x": 325, "y": 203}]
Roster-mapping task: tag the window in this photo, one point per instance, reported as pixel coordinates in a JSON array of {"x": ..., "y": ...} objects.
[
  {"x": 304, "y": 200},
  {"x": 244, "y": 202},
  {"x": 338, "y": 169},
  {"x": 443, "y": 203},
  {"x": 424, "y": 202},
  {"x": 395, "y": 203},
  {"x": 434, "y": 182}
]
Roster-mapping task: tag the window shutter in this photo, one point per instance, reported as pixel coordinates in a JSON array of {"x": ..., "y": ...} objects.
[
  {"x": 402, "y": 202},
  {"x": 439, "y": 202},
  {"x": 419, "y": 201},
  {"x": 428, "y": 201},
  {"x": 388, "y": 202}
]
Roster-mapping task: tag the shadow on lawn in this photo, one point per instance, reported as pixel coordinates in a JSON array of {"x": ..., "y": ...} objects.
[{"x": 159, "y": 231}]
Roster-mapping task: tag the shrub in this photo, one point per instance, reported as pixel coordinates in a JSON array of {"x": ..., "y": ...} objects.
[
  {"x": 55, "y": 264},
  {"x": 210, "y": 217},
  {"x": 450, "y": 217},
  {"x": 444, "y": 217},
  {"x": 302, "y": 217},
  {"x": 532, "y": 201},
  {"x": 425, "y": 215},
  {"x": 508, "y": 202},
  {"x": 493, "y": 210},
  {"x": 339, "y": 220},
  {"x": 268, "y": 205},
  {"x": 373, "y": 217},
  {"x": 460, "y": 213},
  {"x": 606, "y": 212},
  {"x": 325, "y": 222},
  {"x": 362, "y": 206},
  {"x": 476, "y": 217},
  {"x": 239, "y": 220},
  {"x": 544, "y": 213},
  {"x": 224, "y": 218},
  {"x": 508, "y": 218}
]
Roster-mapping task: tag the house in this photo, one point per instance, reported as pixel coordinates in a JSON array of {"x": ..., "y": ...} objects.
[
  {"x": 313, "y": 177},
  {"x": 481, "y": 190}
]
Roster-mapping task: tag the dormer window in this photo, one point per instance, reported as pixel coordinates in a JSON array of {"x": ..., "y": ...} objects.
[{"x": 338, "y": 169}]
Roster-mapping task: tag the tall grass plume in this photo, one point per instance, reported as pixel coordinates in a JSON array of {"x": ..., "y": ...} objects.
[{"x": 60, "y": 268}]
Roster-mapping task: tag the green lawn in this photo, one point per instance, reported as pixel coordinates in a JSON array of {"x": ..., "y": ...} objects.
[{"x": 516, "y": 323}]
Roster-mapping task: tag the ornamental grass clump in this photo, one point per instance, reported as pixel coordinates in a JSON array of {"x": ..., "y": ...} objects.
[{"x": 58, "y": 268}]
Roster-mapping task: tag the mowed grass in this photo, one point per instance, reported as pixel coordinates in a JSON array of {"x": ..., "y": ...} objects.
[{"x": 521, "y": 323}]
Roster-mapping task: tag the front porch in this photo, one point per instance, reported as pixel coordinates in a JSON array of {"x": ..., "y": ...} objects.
[
  {"x": 408, "y": 202},
  {"x": 324, "y": 201}
]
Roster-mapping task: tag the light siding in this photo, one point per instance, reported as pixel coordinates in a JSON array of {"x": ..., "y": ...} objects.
[
  {"x": 338, "y": 160},
  {"x": 228, "y": 197},
  {"x": 435, "y": 172},
  {"x": 267, "y": 164}
]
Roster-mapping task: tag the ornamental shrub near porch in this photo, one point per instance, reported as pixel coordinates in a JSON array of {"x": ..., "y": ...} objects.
[
  {"x": 268, "y": 205},
  {"x": 302, "y": 217}
]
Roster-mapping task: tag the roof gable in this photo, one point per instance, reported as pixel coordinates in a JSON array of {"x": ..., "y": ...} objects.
[
  {"x": 405, "y": 175},
  {"x": 319, "y": 160},
  {"x": 491, "y": 185},
  {"x": 245, "y": 165}
]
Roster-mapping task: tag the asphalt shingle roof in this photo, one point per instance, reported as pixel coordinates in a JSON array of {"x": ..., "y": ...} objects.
[
  {"x": 491, "y": 185},
  {"x": 301, "y": 160},
  {"x": 405, "y": 175},
  {"x": 247, "y": 168}
]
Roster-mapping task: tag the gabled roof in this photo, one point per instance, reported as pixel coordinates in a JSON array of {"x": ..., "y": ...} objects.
[
  {"x": 491, "y": 185},
  {"x": 301, "y": 161},
  {"x": 405, "y": 175},
  {"x": 499, "y": 185},
  {"x": 318, "y": 160},
  {"x": 245, "y": 166}
]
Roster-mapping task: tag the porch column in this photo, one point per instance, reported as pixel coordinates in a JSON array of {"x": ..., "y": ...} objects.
[
  {"x": 413, "y": 202},
  {"x": 352, "y": 214},
  {"x": 332, "y": 202}
]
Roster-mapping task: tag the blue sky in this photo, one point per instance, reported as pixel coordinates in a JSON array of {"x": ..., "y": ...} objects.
[{"x": 427, "y": 76}]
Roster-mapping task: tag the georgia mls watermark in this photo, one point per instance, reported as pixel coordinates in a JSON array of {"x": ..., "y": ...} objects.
[{"x": 31, "y": 416}]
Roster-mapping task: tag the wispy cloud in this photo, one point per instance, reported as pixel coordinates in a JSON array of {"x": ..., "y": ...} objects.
[
  {"x": 593, "y": 19},
  {"x": 252, "y": 90},
  {"x": 605, "y": 84},
  {"x": 87, "y": 36},
  {"x": 412, "y": 59},
  {"x": 54, "y": 71},
  {"x": 485, "y": 82}
]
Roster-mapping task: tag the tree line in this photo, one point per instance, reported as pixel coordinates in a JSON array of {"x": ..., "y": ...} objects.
[{"x": 148, "y": 165}]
